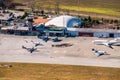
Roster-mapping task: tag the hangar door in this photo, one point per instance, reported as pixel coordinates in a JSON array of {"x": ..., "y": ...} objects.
[
  {"x": 86, "y": 34},
  {"x": 111, "y": 35}
]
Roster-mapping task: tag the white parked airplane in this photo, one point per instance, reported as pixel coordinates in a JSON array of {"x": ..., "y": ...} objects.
[
  {"x": 107, "y": 43},
  {"x": 100, "y": 53}
]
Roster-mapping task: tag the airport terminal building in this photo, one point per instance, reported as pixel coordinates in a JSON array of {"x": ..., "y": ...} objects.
[{"x": 88, "y": 32}]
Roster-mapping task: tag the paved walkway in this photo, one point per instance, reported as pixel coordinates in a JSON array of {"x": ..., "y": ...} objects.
[{"x": 29, "y": 58}]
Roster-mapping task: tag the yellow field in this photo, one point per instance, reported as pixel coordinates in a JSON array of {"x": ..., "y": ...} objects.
[
  {"x": 105, "y": 11},
  {"x": 20, "y": 71},
  {"x": 106, "y": 7},
  {"x": 94, "y": 10}
]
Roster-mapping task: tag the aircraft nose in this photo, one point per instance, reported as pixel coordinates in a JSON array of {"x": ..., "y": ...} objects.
[{"x": 93, "y": 49}]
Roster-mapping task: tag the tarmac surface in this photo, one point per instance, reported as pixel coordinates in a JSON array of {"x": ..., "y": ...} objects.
[{"x": 78, "y": 54}]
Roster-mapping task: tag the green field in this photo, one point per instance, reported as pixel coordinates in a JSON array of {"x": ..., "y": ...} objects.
[
  {"x": 108, "y": 7},
  {"x": 22, "y": 71}
]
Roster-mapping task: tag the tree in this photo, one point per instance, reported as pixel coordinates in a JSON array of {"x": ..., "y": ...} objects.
[
  {"x": 5, "y": 3},
  {"x": 24, "y": 16},
  {"x": 57, "y": 9},
  {"x": 89, "y": 19},
  {"x": 42, "y": 12},
  {"x": 1, "y": 3},
  {"x": 39, "y": 7},
  {"x": 31, "y": 5}
]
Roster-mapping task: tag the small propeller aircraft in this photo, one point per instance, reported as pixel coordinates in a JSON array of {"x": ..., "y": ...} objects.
[
  {"x": 99, "y": 53},
  {"x": 37, "y": 43},
  {"x": 44, "y": 38},
  {"x": 26, "y": 41},
  {"x": 56, "y": 39},
  {"x": 31, "y": 50}
]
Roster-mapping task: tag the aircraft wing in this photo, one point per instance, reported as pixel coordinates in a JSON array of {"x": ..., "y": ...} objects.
[
  {"x": 108, "y": 45},
  {"x": 114, "y": 42},
  {"x": 100, "y": 42}
]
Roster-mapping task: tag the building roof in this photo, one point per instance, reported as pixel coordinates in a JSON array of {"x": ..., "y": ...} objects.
[
  {"x": 7, "y": 16},
  {"x": 53, "y": 29},
  {"x": 40, "y": 20},
  {"x": 4, "y": 16},
  {"x": 63, "y": 21},
  {"x": 17, "y": 13},
  {"x": 13, "y": 28},
  {"x": 20, "y": 21}
]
